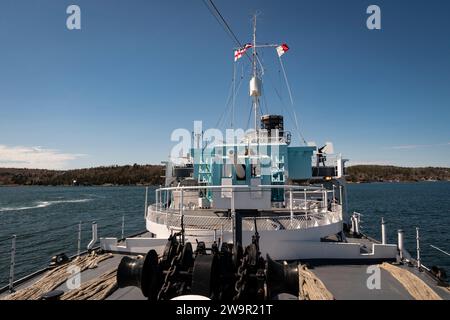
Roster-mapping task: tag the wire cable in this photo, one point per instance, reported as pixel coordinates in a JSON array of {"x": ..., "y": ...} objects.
[{"x": 223, "y": 23}]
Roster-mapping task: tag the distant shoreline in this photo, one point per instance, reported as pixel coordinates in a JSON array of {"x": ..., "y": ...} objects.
[
  {"x": 80, "y": 186},
  {"x": 152, "y": 175},
  {"x": 372, "y": 173},
  {"x": 157, "y": 185},
  {"x": 405, "y": 181}
]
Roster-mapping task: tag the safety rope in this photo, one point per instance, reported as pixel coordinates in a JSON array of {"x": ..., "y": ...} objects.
[
  {"x": 311, "y": 287},
  {"x": 97, "y": 289},
  {"x": 418, "y": 289},
  {"x": 56, "y": 277}
]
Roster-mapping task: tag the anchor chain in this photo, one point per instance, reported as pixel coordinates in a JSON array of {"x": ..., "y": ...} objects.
[
  {"x": 251, "y": 276},
  {"x": 170, "y": 277}
]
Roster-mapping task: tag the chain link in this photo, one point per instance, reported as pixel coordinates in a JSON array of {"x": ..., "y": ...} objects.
[{"x": 170, "y": 273}]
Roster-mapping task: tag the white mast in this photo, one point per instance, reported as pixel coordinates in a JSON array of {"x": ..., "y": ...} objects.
[
  {"x": 255, "y": 97},
  {"x": 255, "y": 91}
]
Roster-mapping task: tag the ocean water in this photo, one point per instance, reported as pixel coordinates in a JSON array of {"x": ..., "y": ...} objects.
[
  {"x": 45, "y": 219},
  {"x": 405, "y": 206}
]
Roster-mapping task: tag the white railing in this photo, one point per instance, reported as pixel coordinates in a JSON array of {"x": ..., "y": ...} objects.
[
  {"x": 304, "y": 207},
  {"x": 297, "y": 198},
  {"x": 174, "y": 220},
  {"x": 291, "y": 223}
]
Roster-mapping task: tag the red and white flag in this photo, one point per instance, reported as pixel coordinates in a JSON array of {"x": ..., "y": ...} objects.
[
  {"x": 240, "y": 52},
  {"x": 282, "y": 49}
]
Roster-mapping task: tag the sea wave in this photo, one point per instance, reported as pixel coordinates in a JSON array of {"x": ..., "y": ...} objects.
[{"x": 43, "y": 204}]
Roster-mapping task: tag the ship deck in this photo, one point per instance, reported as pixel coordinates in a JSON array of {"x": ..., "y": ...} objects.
[
  {"x": 349, "y": 282},
  {"x": 343, "y": 281}
]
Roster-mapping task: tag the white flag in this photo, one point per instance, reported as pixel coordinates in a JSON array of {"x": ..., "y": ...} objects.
[{"x": 282, "y": 49}]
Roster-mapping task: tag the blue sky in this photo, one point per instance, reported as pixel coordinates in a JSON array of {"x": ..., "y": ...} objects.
[{"x": 113, "y": 92}]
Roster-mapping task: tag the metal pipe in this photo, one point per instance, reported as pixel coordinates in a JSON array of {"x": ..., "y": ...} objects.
[
  {"x": 346, "y": 202},
  {"x": 356, "y": 226},
  {"x": 323, "y": 199},
  {"x": 358, "y": 223},
  {"x": 181, "y": 202},
  {"x": 383, "y": 231},
  {"x": 168, "y": 215},
  {"x": 182, "y": 229},
  {"x": 123, "y": 227},
  {"x": 419, "y": 264},
  {"x": 94, "y": 236},
  {"x": 146, "y": 202},
  {"x": 340, "y": 195},
  {"x": 167, "y": 198},
  {"x": 334, "y": 196},
  {"x": 13, "y": 264},
  {"x": 400, "y": 243},
  {"x": 79, "y": 240},
  {"x": 291, "y": 205},
  {"x": 304, "y": 199},
  {"x": 233, "y": 218},
  {"x": 306, "y": 208},
  {"x": 352, "y": 220},
  {"x": 182, "y": 214},
  {"x": 160, "y": 198},
  {"x": 167, "y": 218}
]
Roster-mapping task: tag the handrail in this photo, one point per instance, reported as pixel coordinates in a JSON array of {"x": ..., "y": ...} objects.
[
  {"x": 237, "y": 187},
  {"x": 6, "y": 239},
  {"x": 444, "y": 252},
  {"x": 312, "y": 215},
  {"x": 310, "y": 191},
  {"x": 327, "y": 196},
  {"x": 201, "y": 222},
  {"x": 27, "y": 235},
  {"x": 12, "y": 250},
  {"x": 12, "y": 265}
]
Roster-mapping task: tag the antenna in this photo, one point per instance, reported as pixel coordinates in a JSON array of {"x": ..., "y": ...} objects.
[
  {"x": 254, "y": 46},
  {"x": 255, "y": 82}
]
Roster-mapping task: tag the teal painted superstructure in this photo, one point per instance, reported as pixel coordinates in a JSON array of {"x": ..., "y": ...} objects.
[
  {"x": 272, "y": 164},
  {"x": 299, "y": 162}
]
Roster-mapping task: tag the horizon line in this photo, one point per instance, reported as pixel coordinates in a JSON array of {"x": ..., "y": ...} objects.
[{"x": 162, "y": 165}]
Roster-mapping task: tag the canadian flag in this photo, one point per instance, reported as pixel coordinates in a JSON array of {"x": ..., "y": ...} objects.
[
  {"x": 240, "y": 52},
  {"x": 282, "y": 49}
]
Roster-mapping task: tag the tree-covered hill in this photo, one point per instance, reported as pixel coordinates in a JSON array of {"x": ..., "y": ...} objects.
[
  {"x": 151, "y": 175},
  {"x": 371, "y": 173},
  {"x": 116, "y": 175}
]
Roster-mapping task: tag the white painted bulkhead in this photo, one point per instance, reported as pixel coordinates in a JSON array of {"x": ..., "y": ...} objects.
[{"x": 294, "y": 244}]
